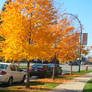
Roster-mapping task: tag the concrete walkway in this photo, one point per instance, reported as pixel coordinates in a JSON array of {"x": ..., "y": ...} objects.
[{"x": 76, "y": 85}]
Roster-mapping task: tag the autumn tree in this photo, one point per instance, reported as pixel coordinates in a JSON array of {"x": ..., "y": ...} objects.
[
  {"x": 23, "y": 29},
  {"x": 62, "y": 33},
  {"x": 70, "y": 50}
]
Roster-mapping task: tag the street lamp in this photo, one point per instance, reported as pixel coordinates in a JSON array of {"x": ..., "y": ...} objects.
[{"x": 80, "y": 54}]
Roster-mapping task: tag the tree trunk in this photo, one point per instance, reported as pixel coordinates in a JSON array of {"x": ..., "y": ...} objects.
[
  {"x": 54, "y": 69},
  {"x": 28, "y": 76},
  {"x": 79, "y": 68},
  {"x": 79, "y": 65},
  {"x": 71, "y": 69}
]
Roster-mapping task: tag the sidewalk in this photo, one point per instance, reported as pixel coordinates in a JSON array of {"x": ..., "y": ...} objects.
[{"x": 76, "y": 85}]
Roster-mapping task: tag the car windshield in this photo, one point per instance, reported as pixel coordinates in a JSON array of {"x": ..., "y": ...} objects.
[{"x": 3, "y": 66}]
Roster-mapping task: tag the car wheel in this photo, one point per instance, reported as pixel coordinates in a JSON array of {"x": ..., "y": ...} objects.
[{"x": 10, "y": 81}]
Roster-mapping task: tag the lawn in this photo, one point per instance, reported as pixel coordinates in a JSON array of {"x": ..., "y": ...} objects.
[
  {"x": 82, "y": 72},
  {"x": 88, "y": 86}
]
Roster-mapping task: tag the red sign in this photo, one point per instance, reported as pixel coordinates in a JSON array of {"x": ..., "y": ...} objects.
[{"x": 85, "y": 36}]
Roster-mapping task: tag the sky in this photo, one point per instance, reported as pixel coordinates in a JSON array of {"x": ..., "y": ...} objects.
[
  {"x": 81, "y": 8},
  {"x": 1, "y": 3}
]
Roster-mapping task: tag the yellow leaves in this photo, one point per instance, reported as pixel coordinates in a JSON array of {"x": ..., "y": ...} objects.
[
  {"x": 34, "y": 20},
  {"x": 17, "y": 29},
  {"x": 68, "y": 46},
  {"x": 70, "y": 28}
]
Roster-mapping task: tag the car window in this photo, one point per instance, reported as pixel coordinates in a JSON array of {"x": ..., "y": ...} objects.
[
  {"x": 17, "y": 68},
  {"x": 3, "y": 66},
  {"x": 13, "y": 67}
]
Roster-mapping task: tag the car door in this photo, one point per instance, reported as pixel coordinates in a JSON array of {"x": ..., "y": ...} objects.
[
  {"x": 20, "y": 74},
  {"x": 13, "y": 73}
]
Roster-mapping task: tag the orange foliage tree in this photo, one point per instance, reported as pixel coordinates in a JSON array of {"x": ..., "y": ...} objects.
[
  {"x": 67, "y": 43},
  {"x": 22, "y": 22}
]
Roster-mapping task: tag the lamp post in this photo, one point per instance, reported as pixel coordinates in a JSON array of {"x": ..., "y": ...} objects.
[{"x": 80, "y": 35}]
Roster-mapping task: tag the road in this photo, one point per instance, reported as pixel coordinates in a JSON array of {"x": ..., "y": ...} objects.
[{"x": 66, "y": 68}]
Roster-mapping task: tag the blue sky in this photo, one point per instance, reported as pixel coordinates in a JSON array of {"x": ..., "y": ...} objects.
[
  {"x": 81, "y": 8},
  {"x": 1, "y": 3}
]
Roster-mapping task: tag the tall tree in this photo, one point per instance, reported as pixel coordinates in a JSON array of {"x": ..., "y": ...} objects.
[{"x": 22, "y": 23}]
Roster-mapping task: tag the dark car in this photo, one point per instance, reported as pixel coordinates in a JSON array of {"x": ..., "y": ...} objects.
[
  {"x": 44, "y": 70},
  {"x": 40, "y": 70}
]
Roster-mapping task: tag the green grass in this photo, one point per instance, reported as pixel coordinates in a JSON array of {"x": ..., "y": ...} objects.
[
  {"x": 65, "y": 77},
  {"x": 88, "y": 86},
  {"x": 82, "y": 72},
  {"x": 49, "y": 85}
]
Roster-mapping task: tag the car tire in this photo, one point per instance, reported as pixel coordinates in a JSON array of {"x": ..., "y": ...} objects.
[{"x": 10, "y": 81}]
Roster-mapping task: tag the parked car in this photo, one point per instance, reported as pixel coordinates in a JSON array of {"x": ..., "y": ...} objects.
[
  {"x": 40, "y": 70},
  {"x": 10, "y": 73},
  {"x": 44, "y": 70}
]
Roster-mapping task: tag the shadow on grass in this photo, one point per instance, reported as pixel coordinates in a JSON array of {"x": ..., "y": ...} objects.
[
  {"x": 87, "y": 90},
  {"x": 33, "y": 83},
  {"x": 12, "y": 91},
  {"x": 89, "y": 82},
  {"x": 15, "y": 84}
]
